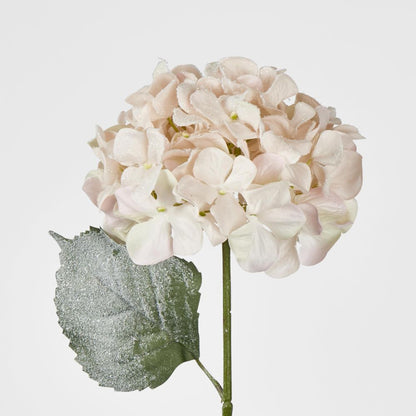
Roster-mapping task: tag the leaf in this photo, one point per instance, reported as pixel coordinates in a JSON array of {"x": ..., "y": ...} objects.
[{"x": 129, "y": 325}]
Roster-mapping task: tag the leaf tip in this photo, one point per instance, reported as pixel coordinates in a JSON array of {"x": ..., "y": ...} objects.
[{"x": 62, "y": 241}]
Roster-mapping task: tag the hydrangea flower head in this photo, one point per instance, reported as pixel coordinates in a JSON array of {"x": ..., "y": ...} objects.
[{"x": 237, "y": 154}]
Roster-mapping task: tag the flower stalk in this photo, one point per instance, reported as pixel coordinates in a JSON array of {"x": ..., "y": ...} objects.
[{"x": 227, "y": 407}]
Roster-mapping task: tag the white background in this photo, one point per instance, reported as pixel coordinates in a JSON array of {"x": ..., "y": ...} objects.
[{"x": 335, "y": 339}]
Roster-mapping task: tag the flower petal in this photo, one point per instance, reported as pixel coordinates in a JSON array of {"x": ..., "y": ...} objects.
[
  {"x": 263, "y": 198},
  {"x": 186, "y": 229},
  {"x": 228, "y": 213},
  {"x": 254, "y": 247},
  {"x": 269, "y": 168},
  {"x": 329, "y": 148},
  {"x": 237, "y": 66},
  {"x": 313, "y": 248},
  {"x": 150, "y": 242},
  {"x": 196, "y": 192},
  {"x": 282, "y": 87},
  {"x": 130, "y": 147},
  {"x": 157, "y": 144},
  {"x": 346, "y": 179},
  {"x": 287, "y": 262},
  {"x": 241, "y": 176},
  {"x": 299, "y": 175},
  {"x": 207, "y": 104},
  {"x": 211, "y": 229},
  {"x": 284, "y": 222},
  {"x": 165, "y": 184},
  {"x": 212, "y": 166}
]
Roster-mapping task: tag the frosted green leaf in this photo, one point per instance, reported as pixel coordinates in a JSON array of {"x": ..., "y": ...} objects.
[{"x": 129, "y": 325}]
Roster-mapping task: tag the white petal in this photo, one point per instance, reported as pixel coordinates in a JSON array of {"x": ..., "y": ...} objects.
[
  {"x": 211, "y": 229},
  {"x": 130, "y": 147},
  {"x": 212, "y": 166},
  {"x": 196, "y": 192},
  {"x": 284, "y": 222},
  {"x": 241, "y": 176},
  {"x": 248, "y": 113},
  {"x": 165, "y": 184},
  {"x": 287, "y": 262},
  {"x": 254, "y": 247},
  {"x": 142, "y": 179},
  {"x": 228, "y": 213},
  {"x": 93, "y": 185},
  {"x": 240, "y": 130},
  {"x": 265, "y": 197},
  {"x": 186, "y": 229},
  {"x": 157, "y": 144},
  {"x": 283, "y": 87},
  {"x": 329, "y": 148},
  {"x": 150, "y": 242}
]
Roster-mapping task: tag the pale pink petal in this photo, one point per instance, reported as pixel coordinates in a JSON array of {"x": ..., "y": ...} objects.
[
  {"x": 196, "y": 192},
  {"x": 240, "y": 131},
  {"x": 180, "y": 118},
  {"x": 93, "y": 185},
  {"x": 150, "y": 242},
  {"x": 106, "y": 199},
  {"x": 284, "y": 222},
  {"x": 312, "y": 225},
  {"x": 186, "y": 230},
  {"x": 165, "y": 101},
  {"x": 299, "y": 175},
  {"x": 329, "y": 148},
  {"x": 241, "y": 176},
  {"x": 303, "y": 112},
  {"x": 117, "y": 227},
  {"x": 132, "y": 204},
  {"x": 207, "y": 104},
  {"x": 350, "y": 131},
  {"x": 183, "y": 92},
  {"x": 130, "y": 147},
  {"x": 209, "y": 139},
  {"x": 161, "y": 68},
  {"x": 269, "y": 168},
  {"x": 287, "y": 262},
  {"x": 192, "y": 69},
  {"x": 282, "y": 87},
  {"x": 248, "y": 113},
  {"x": 265, "y": 197},
  {"x": 234, "y": 67},
  {"x": 254, "y": 247},
  {"x": 345, "y": 180},
  {"x": 273, "y": 143},
  {"x": 228, "y": 213},
  {"x": 313, "y": 248},
  {"x": 141, "y": 179},
  {"x": 212, "y": 166}
]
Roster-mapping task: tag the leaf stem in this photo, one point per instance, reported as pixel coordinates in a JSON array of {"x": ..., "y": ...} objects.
[
  {"x": 211, "y": 378},
  {"x": 227, "y": 407}
]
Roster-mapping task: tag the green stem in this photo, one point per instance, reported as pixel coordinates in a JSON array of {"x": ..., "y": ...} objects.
[
  {"x": 227, "y": 407},
  {"x": 211, "y": 378}
]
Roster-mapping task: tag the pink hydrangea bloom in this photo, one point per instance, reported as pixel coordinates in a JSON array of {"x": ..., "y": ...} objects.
[{"x": 237, "y": 153}]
